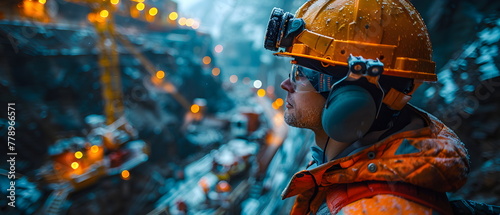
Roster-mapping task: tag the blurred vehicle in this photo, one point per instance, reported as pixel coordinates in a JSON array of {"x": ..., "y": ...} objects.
[{"x": 233, "y": 158}]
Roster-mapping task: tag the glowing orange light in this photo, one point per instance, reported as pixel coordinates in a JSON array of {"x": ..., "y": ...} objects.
[
  {"x": 182, "y": 21},
  {"x": 153, "y": 11},
  {"x": 275, "y": 106},
  {"x": 219, "y": 48},
  {"x": 223, "y": 186},
  {"x": 75, "y": 165},
  {"x": 134, "y": 13},
  {"x": 94, "y": 149},
  {"x": 114, "y": 1},
  {"x": 207, "y": 60},
  {"x": 215, "y": 71},
  {"x": 279, "y": 102},
  {"x": 173, "y": 16},
  {"x": 204, "y": 185},
  {"x": 91, "y": 17},
  {"x": 42, "y": 1},
  {"x": 261, "y": 92},
  {"x": 169, "y": 88},
  {"x": 140, "y": 6},
  {"x": 78, "y": 154},
  {"x": 160, "y": 74},
  {"x": 195, "y": 108},
  {"x": 104, "y": 13},
  {"x": 233, "y": 78},
  {"x": 125, "y": 174}
]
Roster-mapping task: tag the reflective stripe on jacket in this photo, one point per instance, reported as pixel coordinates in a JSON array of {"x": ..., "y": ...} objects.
[{"x": 431, "y": 157}]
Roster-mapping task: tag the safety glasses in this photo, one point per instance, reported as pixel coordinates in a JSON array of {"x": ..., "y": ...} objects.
[{"x": 304, "y": 79}]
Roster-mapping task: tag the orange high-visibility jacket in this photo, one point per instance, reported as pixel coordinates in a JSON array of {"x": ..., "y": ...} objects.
[{"x": 432, "y": 157}]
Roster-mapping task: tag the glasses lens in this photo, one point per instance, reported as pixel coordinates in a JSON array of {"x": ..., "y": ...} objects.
[
  {"x": 300, "y": 81},
  {"x": 305, "y": 79}
]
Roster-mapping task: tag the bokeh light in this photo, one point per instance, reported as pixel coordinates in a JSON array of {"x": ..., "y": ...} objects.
[
  {"x": 153, "y": 11},
  {"x": 140, "y": 6},
  {"x": 246, "y": 80},
  {"x": 280, "y": 102},
  {"x": 215, "y": 71},
  {"x": 195, "y": 108},
  {"x": 261, "y": 92},
  {"x": 189, "y": 22},
  {"x": 275, "y": 105},
  {"x": 104, "y": 13},
  {"x": 196, "y": 25},
  {"x": 182, "y": 21},
  {"x": 233, "y": 79},
  {"x": 257, "y": 84},
  {"x": 270, "y": 89},
  {"x": 219, "y": 48},
  {"x": 160, "y": 74},
  {"x": 94, "y": 149},
  {"x": 173, "y": 16},
  {"x": 207, "y": 60},
  {"x": 125, "y": 174},
  {"x": 78, "y": 154}
]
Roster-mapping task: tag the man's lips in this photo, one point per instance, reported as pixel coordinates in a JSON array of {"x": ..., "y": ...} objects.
[{"x": 288, "y": 104}]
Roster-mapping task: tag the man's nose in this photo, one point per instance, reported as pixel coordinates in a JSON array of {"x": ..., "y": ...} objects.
[{"x": 287, "y": 85}]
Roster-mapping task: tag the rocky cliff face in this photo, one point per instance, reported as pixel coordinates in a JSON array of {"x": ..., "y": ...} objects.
[{"x": 465, "y": 36}]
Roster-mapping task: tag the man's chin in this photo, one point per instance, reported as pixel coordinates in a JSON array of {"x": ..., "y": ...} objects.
[{"x": 290, "y": 119}]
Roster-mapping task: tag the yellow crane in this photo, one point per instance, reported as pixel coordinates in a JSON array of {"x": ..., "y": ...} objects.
[
  {"x": 103, "y": 12},
  {"x": 102, "y": 16}
]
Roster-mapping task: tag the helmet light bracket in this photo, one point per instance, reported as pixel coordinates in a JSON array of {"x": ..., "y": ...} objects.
[{"x": 360, "y": 67}]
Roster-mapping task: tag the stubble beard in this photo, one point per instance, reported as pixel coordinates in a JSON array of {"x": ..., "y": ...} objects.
[{"x": 307, "y": 119}]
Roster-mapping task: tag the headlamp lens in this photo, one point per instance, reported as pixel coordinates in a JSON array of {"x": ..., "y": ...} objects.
[{"x": 281, "y": 30}]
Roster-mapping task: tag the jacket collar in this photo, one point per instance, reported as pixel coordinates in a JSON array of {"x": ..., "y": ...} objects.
[{"x": 309, "y": 179}]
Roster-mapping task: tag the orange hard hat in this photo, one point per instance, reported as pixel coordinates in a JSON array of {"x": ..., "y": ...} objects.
[{"x": 332, "y": 30}]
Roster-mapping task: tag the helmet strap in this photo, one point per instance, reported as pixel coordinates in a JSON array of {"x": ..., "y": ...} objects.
[{"x": 396, "y": 100}]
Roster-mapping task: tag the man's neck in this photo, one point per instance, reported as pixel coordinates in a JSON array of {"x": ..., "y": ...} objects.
[{"x": 332, "y": 149}]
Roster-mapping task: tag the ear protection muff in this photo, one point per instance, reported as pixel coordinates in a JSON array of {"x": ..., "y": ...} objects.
[
  {"x": 350, "y": 109},
  {"x": 349, "y": 113}
]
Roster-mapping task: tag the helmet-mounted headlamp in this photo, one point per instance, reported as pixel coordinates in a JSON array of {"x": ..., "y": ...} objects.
[{"x": 282, "y": 29}]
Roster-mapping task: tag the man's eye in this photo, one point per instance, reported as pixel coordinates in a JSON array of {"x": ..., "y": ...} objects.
[{"x": 298, "y": 75}]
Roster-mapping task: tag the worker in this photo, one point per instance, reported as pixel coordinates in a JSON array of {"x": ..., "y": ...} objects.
[{"x": 355, "y": 65}]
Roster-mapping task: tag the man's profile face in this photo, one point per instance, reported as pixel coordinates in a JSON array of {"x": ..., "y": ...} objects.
[{"x": 303, "y": 108}]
